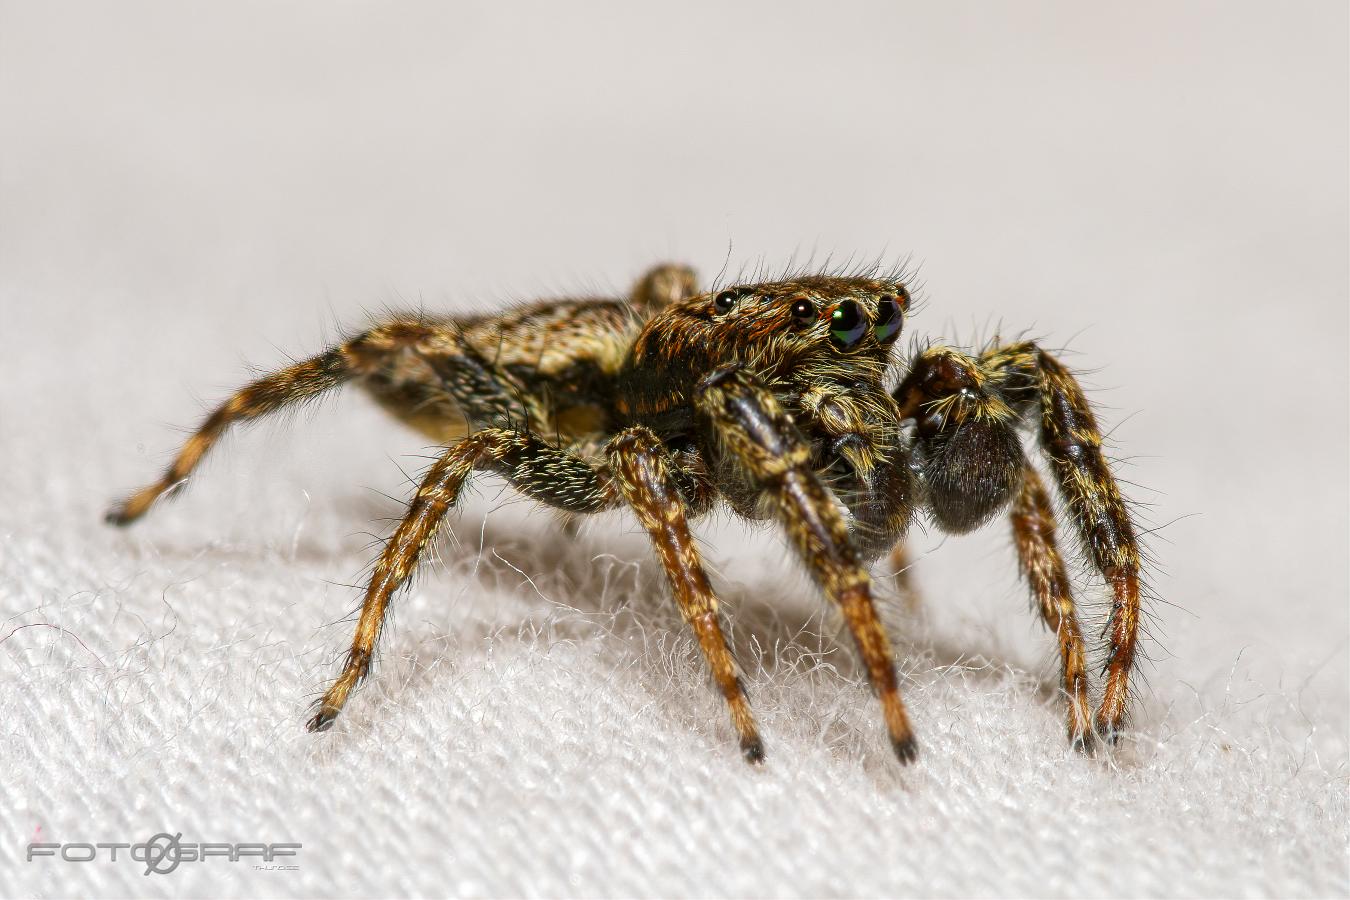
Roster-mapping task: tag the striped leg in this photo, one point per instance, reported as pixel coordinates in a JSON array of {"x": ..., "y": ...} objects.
[
  {"x": 967, "y": 411},
  {"x": 1073, "y": 441},
  {"x": 643, "y": 471},
  {"x": 762, "y": 439},
  {"x": 641, "y": 475},
  {"x": 462, "y": 378},
  {"x": 1033, "y": 524},
  {"x": 1035, "y": 381},
  {"x": 537, "y": 469}
]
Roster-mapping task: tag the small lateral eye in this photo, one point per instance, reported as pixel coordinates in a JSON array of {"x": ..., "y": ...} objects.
[
  {"x": 725, "y": 300},
  {"x": 890, "y": 317},
  {"x": 803, "y": 311},
  {"x": 847, "y": 325}
]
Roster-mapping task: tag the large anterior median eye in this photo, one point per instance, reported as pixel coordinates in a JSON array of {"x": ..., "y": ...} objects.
[
  {"x": 847, "y": 325},
  {"x": 889, "y": 319}
]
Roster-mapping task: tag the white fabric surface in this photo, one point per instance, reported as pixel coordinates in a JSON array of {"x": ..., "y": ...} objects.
[{"x": 1162, "y": 190}]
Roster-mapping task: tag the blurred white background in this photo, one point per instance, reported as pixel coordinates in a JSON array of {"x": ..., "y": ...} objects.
[{"x": 1161, "y": 188}]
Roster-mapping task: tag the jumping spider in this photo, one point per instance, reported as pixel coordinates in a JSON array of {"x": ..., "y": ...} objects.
[{"x": 771, "y": 397}]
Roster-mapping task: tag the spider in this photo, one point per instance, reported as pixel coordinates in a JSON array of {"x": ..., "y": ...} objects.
[{"x": 771, "y": 397}]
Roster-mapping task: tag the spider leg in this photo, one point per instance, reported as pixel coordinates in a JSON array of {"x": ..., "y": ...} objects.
[
  {"x": 532, "y": 466},
  {"x": 478, "y": 393},
  {"x": 1073, "y": 443},
  {"x": 643, "y": 472},
  {"x": 1033, "y": 525},
  {"x": 967, "y": 411},
  {"x": 761, "y": 439}
]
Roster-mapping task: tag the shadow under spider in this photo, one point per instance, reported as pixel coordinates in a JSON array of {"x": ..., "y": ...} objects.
[
  {"x": 608, "y": 577},
  {"x": 602, "y": 582}
]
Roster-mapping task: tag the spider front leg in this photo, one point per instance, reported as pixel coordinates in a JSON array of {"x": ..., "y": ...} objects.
[
  {"x": 1033, "y": 524},
  {"x": 1073, "y": 441},
  {"x": 747, "y": 422},
  {"x": 967, "y": 411}
]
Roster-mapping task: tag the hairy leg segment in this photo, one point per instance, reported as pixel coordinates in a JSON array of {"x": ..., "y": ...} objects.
[
  {"x": 1033, "y": 526},
  {"x": 459, "y": 377},
  {"x": 639, "y": 472},
  {"x": 1073, "y": 441},
  {"x": 643, "y": 471},
  {"x": 967, "y": 411},
  {"x": 530, "y": 465},
  {"x": 762, "y": 439}
]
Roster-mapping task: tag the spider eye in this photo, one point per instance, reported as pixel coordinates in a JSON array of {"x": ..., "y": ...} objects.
[
  {"x": 726, "y": 300},
  {"x": 889, "y": 319},
  {"x": 847, "y": 325},
  {"x": 803, "y": 311}
]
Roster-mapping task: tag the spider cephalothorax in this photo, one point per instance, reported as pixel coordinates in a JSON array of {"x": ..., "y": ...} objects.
[{"x": 771, "y": 397}]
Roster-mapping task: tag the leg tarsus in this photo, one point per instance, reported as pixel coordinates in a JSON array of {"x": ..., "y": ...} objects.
[
  {"x": 126, "y": 511},
  {"x": 907, "y": 751},
  {"x": 752, "y": 748},
  {"x": 327, "y": 708}
]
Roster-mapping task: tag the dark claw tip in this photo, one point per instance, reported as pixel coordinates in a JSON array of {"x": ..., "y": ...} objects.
[
  {"x": 321, "y": 722},
  {"x": 1110, "y": 734},
  {"x": 753, "y": 750},
  {"x": 117, "y": 515},
  {"x": 906, "y": 750}
]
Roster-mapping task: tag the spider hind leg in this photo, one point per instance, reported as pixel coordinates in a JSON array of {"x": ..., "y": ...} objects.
[
  {"x": 537, "y": 469},
  {"x": 418, "y": 370}
]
